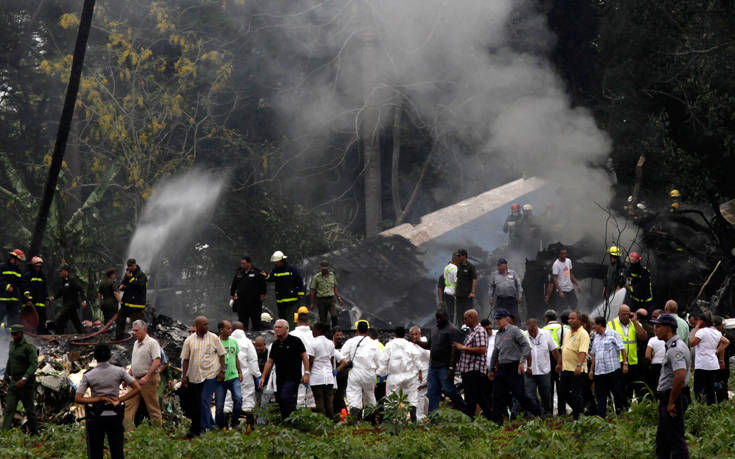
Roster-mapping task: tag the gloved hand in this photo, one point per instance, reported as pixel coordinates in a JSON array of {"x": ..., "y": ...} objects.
[
  {"x": 257, "y": 382},
  {"x": 334, "y": 372}
]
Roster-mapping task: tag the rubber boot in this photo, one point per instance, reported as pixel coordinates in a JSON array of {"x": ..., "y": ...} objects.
[
  {"x": 413, "y": 414},
  {"x": 356, "y": 414}
]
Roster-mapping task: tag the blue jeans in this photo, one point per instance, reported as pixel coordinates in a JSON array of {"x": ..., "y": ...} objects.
[
  {"x": 438, "y": 383},
  {"x": 233, "y": 385},
  {"x": 209, "y": 387}
]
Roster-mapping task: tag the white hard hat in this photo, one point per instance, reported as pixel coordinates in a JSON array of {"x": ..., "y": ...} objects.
[
  {"x": 277, "y": 256},
  {"x": 527, "y": 207},
  {"x": 265, "y": 317}
]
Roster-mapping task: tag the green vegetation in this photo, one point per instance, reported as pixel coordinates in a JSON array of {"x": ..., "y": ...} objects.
[{"x": 711, "y": 433}]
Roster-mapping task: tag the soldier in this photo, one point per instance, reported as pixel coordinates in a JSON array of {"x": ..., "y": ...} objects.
[
  {"x": 133, "y": 289},
  {"x": 324, "y": 291},
  {"x": 673, "y": 391},
  {"x": 70, "y": 293},
  {"x": 20, "y": 372},
  {"x": 108, "y": 294},
  {"x": 36, "y": 292}
]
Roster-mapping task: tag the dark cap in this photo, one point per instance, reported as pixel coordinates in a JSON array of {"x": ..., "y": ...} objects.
[
  {"x": 324, "y": 263},
  {"x": 501, "y": 313},
  {"x": 666, "y": 319},
  {"x": 64, "y": 267},
  {"x": 131, "y": 262},
  {"x": 16, "y": 328},
  {"x": 462, "y": 252},
  {"x": 502, "y": 261}
]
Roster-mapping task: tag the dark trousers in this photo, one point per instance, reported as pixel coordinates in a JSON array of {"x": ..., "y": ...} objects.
[
  {"x": 542, "y": 384},
  {"x": 439, "y": 382},
  {"x": 704, "y": 385},
  {"x": 125, "y": 313},
  {"x": 108, "y": 311},
  {"x": 670, "y": 440},
  {"x": 561, "y": 402},
  {"x": 41, "y": 311},
  {"x": 654, "y": 372},
  {"x": 609, "y": 383},
  {"x": 450, "y": 305},
  {"x": 633, "y": 382},
  {"x": 99, "y": 427},
  {"x": 287, "y": 310},
  {"x": 194, "y": 403},
  {"x": 477, "y": 392},
  {"x": 323, "y": 395},
  {"x": 68, "y": 313},
  {"x": 508, "y": 303},
  {"x": 571, "y": 386},
  {"x": 462, "y": 305},
  {"x": 25, "y": 395},
  {"x": 326, "y": 306},
  {"x": 721, "y": 384},
  {"x": 508, "y": 384},
  {"x": 10, "y": 310},
  {"x": 339, "y": 394},
  {"x": 286, "y": 395},
  {"x": 249, "y": 313}
]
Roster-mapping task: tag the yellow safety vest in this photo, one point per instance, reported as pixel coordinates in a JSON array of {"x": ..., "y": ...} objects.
[
  {"x": 630, "y": 342},
  {"x": 554, "y": 328},
  {"x": 447, "y": 270}
]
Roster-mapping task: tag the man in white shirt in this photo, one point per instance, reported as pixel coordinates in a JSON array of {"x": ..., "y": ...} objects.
[
  {"x": 564, "y": 282},
  {"x": 363, "y": 353},
  {"x": 422, "y": 407},
  {"x": 538, "y": 373},
  {"x": 399, "y": 362},
  {"x": 305, "y": 396},
  {"x": 322, "y": 378},
  {"x": 248, "y": 358}
]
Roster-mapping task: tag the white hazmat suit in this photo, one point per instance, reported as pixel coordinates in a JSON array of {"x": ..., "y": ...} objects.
[
  {"x": 305, "y": 396},
  {"x": 249, "y": 366},
  {"x": 364, "y": 353},
  {"x": 400, "y": 362}
]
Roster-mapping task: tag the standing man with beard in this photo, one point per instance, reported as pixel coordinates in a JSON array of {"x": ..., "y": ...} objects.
[
  {"x": 466, "y": 284},
  {"x": 133, "y": 287},
  {"x": 248, "y": 292}
]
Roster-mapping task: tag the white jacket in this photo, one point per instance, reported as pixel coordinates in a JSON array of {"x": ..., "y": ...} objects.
[
  {"x": 364, "y": 353},
  {"x": 400, "y": 360},
  {"x": 247, "y": 356}
]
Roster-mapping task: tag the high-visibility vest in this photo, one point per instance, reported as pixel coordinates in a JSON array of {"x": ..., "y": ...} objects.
[
  {"x": 630, "y": 342},
  {"x": 448, "y": 269},
  {"x": 554, "y": 329}
]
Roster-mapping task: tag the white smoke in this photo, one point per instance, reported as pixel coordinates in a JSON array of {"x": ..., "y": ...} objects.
[
  {"x": 473, "y": 70},
  {"x": 179, "y": 207}
]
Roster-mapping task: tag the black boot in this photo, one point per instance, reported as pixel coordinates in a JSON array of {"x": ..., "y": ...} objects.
[
  {"x": 355, "y": 414},
  {"x": 413, "y": 414}
]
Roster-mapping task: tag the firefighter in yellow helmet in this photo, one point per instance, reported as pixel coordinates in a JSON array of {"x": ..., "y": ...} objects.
[{"x": 615, "y": 271}]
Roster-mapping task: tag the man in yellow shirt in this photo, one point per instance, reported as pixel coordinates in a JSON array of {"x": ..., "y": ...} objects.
[{"x": 574, "y": 364}]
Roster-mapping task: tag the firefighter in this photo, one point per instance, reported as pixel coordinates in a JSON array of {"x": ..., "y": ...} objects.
[
  {"x": 640, "y": 288},
  {"x": 675, "y": 197},
  {"x": 615, "y": 271},
  {"x": 36, "y": 292},
  {"x": 11, "y": 287},
  {"x": 133, "y": 288},
  {"x": 512, "y": 222},
  {"x": 70, "y": 292},
  {"x": 289, "y": 285}
]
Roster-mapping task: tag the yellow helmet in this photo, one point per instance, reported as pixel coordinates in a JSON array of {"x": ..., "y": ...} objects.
[
  {"x": 674, "y": 194},
  {"x": 362, "y": 320},
  {"x": 674, "y": 205},
  {"x": 614, "y": 251}
]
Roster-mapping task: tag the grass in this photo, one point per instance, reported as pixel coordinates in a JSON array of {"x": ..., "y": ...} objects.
[{"x": 710, "y": 432}]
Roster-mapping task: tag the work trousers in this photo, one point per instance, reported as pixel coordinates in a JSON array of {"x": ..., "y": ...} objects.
[
  {"x": 326, "y": 306},
  {"x": 25, "y": 395},
  {"x": 571, "y": 386},
  {"x": 68, "y": 313},
  {"x": 670, "y": 439},
  {"x": 609, "y": 384},
  {"x": 339, "y": 393},
  {"x": 100, "y": 426},
  {"x": 438, "y": 382},
  {"x": 287, "y": 310},
  {"x": 704, "y": 385},
  {"x": 323, "y": 395},
  {"x": 10, "y": 310},
  {"x": 450, "y": 305},
  {"x": 220, "y": 390},
  {"x": 41, "y": 329},
  {"x": 476, "y": 392},
  {"x": 194, "y": 407},
  {"x": 462, "y": 305},
  {"x": 409, "y": 387},
  {"x": 286, "y": 394},
  {"x": 149, "y": 394},
  {"x": 249, "y": 314},
  {"x": 108, "y": 311},
  {"x": 508, "y": 384},
  {"x": 542, "y": 385},
  {"x": 360, "y": 391},
  {"x": 122, "y": 316}
]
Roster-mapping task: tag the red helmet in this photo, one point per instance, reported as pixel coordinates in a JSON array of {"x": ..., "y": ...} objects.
[
  {"x": 19, "y": 254},
  {"x": 515, "y": 207},
  {"x": 36, "y": 260},
  {"x": 634, "y": 257}
]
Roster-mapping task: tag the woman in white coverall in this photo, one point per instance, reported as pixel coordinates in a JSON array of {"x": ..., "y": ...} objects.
[{"x": 363, "y": 354}]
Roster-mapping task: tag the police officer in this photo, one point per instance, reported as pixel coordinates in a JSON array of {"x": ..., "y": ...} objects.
[
  {"x": 36, "y": 292},
  {"x": 505, "y": 289},
  {"x": 247, "y": 292},
  {"x": 105, "y": 410},
  {"x": 673, "y": 391},
  {"x": 70, "y": 293},
  {"x": 133, "y": 288},
  {"x": 289, "y": 285},
  {"x": 20, "y": 373},
  {"x": 10, "y": 287},
  {"x": 108, "y": 295}
]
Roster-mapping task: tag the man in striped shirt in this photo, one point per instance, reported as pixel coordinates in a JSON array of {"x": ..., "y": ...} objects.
[
  {"x": 605, "y": 370},
  {"x": 203, "y": 365}
]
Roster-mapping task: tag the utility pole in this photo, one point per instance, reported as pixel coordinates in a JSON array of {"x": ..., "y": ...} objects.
[{"x": 62, "y": 135}]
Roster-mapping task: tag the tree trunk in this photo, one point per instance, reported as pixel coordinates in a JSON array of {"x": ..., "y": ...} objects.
[
  {"x": 373, "y": 185},
  {"x": 395, "y": 163}
]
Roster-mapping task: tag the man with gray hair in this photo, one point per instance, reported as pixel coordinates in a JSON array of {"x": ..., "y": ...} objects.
[
  {"x": 505, "y": 289},
  {"x": 682, "y": 327},
  {"x": 144, "y": 363}
]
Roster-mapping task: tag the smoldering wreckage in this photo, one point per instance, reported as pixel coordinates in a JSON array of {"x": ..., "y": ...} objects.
[{"x": 391, "y": 280}]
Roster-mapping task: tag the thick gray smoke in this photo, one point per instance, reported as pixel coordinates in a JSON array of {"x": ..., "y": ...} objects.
[
  {"x": 473, "y": 70},
  {"x": 178, "y": 208}
]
